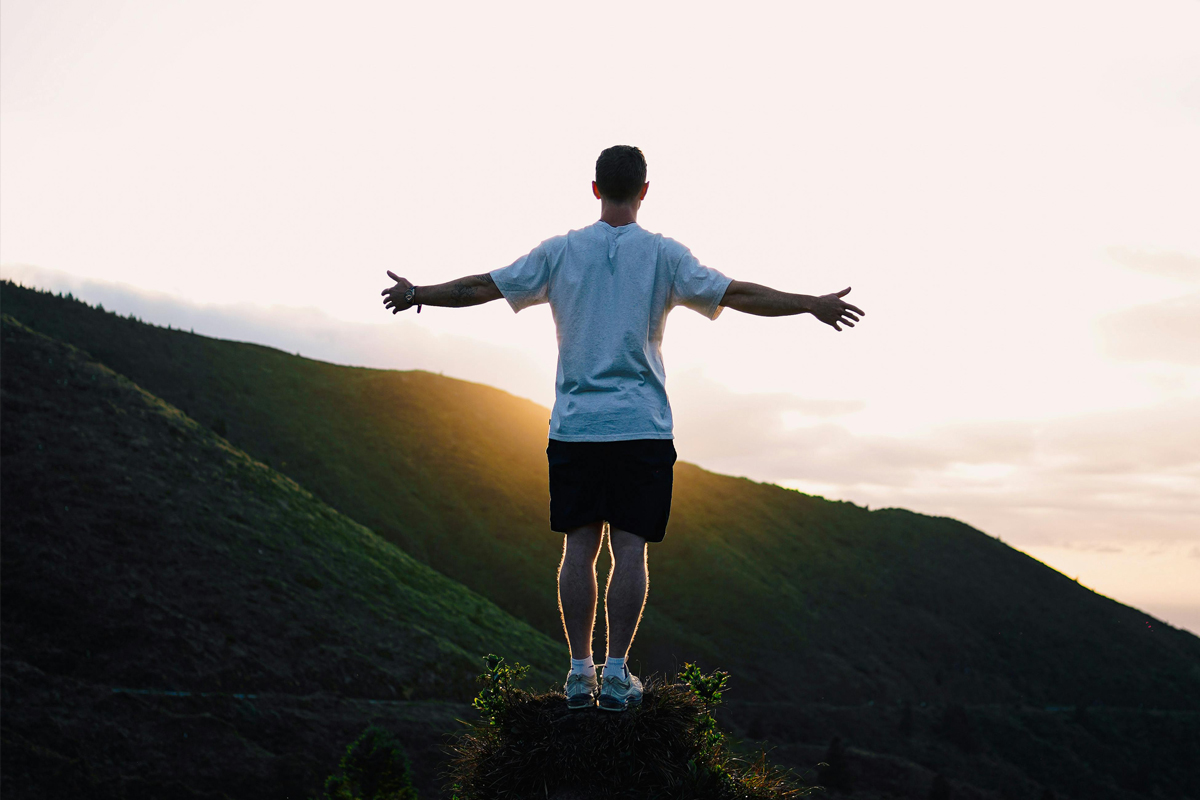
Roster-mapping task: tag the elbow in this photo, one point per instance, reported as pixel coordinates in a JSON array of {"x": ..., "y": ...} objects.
[{"x": 734, "y": 296}]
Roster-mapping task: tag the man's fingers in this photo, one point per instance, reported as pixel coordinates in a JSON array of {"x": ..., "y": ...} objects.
[
  {"x": 397, "y": 278},
  {"x": 846, "y": 322},
  {"x": 851, "y": 315},
  {"x": 842, "y": 293},
  {"x": 856, "y": 310}
]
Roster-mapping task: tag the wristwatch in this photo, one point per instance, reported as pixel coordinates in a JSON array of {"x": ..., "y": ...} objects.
[{"x": 410, "y": 297}]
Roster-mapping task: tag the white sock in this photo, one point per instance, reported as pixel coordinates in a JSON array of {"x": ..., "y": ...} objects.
[
  {"x": 583, "y": 666},
  {"x": 616, "y": 666}
]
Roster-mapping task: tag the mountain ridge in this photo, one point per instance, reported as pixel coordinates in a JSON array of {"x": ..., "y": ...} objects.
[
  {"x": 874, "y": 610},
  {"x": 454, "y": 473}
]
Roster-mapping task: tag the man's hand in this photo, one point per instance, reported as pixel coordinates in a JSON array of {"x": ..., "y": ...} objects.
[
  {"x": 833, "y": 310},
  {"x": 469, "y": 291},
  {"x": 763, "y": 301},
  {"x": 393, "y": 298}
]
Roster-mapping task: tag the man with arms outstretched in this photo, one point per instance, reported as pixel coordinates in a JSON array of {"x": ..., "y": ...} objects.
[{"x": 610, "y": 286}]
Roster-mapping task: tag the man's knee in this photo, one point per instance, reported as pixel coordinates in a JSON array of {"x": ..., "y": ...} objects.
[
  {"x": 626, "y": 546},
  {"x": 582, "y": 545}
]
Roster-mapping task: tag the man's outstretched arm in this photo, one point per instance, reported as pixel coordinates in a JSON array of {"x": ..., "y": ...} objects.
[
  {"x": 469, "y": 291},
  {"x": 763, "y": 301}
]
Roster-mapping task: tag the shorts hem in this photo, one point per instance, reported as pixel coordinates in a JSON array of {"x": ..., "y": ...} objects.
[
  {"x": 611, "y": 437},
  {"x": 652, "y": 538}
]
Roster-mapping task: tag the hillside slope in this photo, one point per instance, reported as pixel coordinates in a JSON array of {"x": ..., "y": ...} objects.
[
  {"x": 143, "y": 556},
  {"x": 868, "y": 605},
  {"x": 833, "y": 619}
]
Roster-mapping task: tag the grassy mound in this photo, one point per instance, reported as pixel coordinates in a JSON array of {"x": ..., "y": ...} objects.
[{"x": 531, "y": 745}]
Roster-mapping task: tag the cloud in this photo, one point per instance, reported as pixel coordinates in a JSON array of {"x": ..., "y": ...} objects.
[
  {"x": 1092, "y": 480},
  {"x": 1165, "y": 331},
  {"x": 1165, "y": 436},
  {"x": 398, "y": 344},
  {"x": 1093, "y": 547},
  {"x": 1164, "y": 263},
  {"x": 750, "y": 434}
]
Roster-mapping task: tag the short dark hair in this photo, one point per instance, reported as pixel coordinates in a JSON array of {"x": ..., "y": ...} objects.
[{"x": 620, "y": 173}]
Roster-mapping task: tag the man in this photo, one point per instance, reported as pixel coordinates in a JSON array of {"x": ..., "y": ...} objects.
[{"x": 610, "y": 286}]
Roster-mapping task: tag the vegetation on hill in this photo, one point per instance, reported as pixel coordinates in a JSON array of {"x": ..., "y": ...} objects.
[
  {"x": 531, "y": 745},
  {"x": 455, "y": 473},
  {"x": 836, "y": 619},
  {"x": 147, "y": 561},
  {"x": 374, "y": 768}
]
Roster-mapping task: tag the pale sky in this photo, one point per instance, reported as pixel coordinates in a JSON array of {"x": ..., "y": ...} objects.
[{"x": 1013, "y": 191}]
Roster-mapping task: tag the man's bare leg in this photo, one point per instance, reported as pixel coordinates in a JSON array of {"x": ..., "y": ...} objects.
[
  {"x": 627, "y": 587},
  {"x": 577, "y": 586}
]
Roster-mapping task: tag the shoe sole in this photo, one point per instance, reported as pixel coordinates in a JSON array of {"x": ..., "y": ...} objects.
[
  {"x": 580, "y": 702},
  {"x": 617, "y": 705}
]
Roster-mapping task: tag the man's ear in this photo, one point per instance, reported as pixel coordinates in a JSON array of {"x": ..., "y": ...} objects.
[
  {"x": 595, "y": 190},
  {"x": 645, "y": 188}
]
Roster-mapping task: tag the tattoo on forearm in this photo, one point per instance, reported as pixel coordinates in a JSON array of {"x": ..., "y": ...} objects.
[{"x": 465, "y": 289}]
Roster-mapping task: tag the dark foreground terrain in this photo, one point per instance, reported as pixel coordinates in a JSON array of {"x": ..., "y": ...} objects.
[
  {"x": 143, "y": 550},
  {"x": 181, "y": 621}
]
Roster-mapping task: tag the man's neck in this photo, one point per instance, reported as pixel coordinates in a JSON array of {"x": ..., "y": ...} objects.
[{"x": 618, "y": 214}]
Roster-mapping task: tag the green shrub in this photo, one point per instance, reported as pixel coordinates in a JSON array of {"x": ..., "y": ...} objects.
[
  {"x": 708, "y": 688},
  {"x": 374, "y": 768},
  {"x": 499, "y": 691}
]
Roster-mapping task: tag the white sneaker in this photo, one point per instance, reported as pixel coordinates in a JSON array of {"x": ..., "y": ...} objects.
[
  {"x": 618, "y": 693},
  {"x": 580, "y": 690}
]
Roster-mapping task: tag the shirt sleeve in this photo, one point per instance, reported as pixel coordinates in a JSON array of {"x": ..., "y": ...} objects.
[
  {"x": 698, "y": 287},
  {"x": 525, "y": 282}
]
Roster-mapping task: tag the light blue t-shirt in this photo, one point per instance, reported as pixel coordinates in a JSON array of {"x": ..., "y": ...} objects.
[{"x": 610, "y": 290}]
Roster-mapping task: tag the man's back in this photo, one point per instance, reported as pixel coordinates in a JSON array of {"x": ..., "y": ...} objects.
[
  {"x": 610, "y": 289},
  {"x": 610, "y": 454}
]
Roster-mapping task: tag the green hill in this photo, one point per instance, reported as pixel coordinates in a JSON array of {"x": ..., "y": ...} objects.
[
  {"x": 145, "y": 556},
  {"x": 831, "y": 617},
  {"x": 454, "y": 473}
]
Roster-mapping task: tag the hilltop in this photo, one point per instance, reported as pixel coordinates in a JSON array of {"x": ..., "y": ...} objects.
[{"x": 833, "y": 619}]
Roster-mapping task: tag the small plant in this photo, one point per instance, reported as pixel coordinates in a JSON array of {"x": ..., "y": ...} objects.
[
  {"x": 499, "y": 688},
  {"x": 374, "y": 768},
  {"x": 708, "y": 688}
]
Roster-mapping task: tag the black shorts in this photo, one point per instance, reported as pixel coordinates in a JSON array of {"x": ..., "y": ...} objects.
[{"x": 626, "y": 484}]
